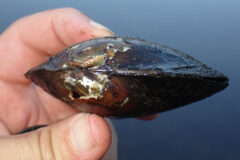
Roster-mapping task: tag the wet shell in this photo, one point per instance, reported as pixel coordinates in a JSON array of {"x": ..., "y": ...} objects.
[{"x": 126, "y": 77}]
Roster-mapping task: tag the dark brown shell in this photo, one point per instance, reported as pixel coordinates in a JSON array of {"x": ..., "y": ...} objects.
[{"x": 126, "y": 77}]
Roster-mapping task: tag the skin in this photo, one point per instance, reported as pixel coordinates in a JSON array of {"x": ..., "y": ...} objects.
[{"x": 25, "y": 44}]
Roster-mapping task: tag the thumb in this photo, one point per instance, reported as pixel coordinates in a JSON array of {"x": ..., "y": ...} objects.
[{"x": 83, "y": 136}]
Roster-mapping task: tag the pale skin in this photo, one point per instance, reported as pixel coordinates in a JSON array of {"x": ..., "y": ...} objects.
[{"x": 25, "y": 44}]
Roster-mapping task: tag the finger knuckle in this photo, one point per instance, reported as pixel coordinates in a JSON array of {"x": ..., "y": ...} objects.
[{"x": 47, "y": 147}]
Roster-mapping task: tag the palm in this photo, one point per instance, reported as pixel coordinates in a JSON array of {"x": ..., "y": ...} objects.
[
  {"x": 23, "y": 102},
  {"x": 27, "y": 105}
]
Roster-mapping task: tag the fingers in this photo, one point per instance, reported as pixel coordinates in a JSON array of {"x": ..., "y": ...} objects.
[
  {"x": 52, "y": 31},
  {"x": 83, "y": 136},
  {"x": 31, "y": 40}
]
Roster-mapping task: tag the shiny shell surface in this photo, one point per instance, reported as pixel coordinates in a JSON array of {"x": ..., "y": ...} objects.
[{"x": 126, "y": 77}]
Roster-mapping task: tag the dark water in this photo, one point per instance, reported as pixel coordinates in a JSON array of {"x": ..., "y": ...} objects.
[{"x": 209, "y": 30}]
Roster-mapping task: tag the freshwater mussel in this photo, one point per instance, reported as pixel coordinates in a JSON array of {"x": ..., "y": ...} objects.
[{"x": 126, "y": 77}]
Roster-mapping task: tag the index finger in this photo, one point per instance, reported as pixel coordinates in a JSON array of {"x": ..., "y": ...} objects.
[{"x": 32, "y": 39}]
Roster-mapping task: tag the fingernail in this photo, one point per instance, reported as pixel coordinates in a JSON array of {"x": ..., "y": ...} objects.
[
  {"x": 101, "y": 30},
  {"x": 81, "y": 135}
]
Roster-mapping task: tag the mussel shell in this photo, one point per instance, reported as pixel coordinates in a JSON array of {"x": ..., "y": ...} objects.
[{"x": 126, "y": 77}]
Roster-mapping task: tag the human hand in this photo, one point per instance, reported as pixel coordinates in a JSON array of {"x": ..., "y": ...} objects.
[{"x": 25, "y": 44}]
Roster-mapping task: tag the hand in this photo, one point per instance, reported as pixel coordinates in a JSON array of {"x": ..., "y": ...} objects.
[{"x": 25, "y": 44}]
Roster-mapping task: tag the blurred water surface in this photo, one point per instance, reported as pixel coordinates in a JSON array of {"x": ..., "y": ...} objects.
[{"x": 209, "y": 30}]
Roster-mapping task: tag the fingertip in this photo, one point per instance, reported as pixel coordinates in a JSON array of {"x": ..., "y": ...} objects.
[
  {"x": 100, "y": 130},
  {"x": 90, "y": 136},
  {"x": 100, "y": 30},
  {"x": 72, "y": 26}
]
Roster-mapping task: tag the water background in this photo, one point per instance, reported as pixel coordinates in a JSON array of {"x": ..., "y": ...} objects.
[{"x": 209, "y": 30}]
